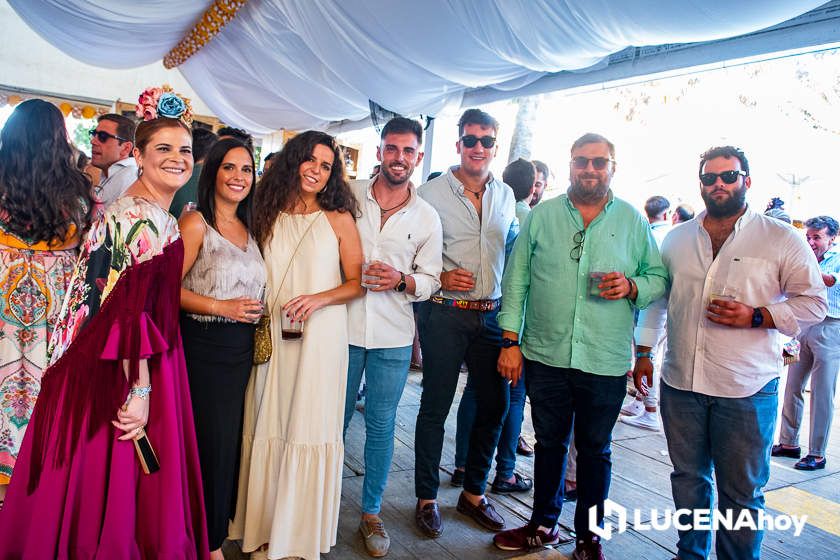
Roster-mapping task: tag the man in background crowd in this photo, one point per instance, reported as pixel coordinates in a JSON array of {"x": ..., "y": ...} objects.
[
  {"x": 203, "y": 140},
  {"x": 682, "y": 213},
  {"x": 541, "y": 182},
  {"x": 642, "y": 411},
  {"x": 239, "y": 134},
  {"x": 819, "y": 359},
  {"x": 111, "y": 146}
]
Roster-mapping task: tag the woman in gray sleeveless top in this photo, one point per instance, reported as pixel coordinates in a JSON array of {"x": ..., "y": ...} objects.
[{"x": 221, "y": 293}]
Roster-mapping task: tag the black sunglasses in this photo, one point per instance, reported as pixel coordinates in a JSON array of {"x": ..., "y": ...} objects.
[
  {"x": 471, "y": 140},
  {"x": 577, "y": 249},
  {"x": 103, "y": 136},
  {"x": 728, "y": 177},
  {"x": 598, "y": 163}
]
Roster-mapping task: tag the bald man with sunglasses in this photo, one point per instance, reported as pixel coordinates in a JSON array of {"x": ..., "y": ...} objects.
[
  {"x": 112, "y": 143},
  {"x": 581, "y": 264}
]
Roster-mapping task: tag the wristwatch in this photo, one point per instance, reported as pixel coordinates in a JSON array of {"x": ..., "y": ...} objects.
[
  {"x": 508, "y": 342},
  {"x": 757, "y": 318},
  {"x": 401, "y": 285}
]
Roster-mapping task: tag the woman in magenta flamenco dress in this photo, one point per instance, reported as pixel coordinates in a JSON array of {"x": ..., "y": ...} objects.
[{"x": 78, "y": 490}]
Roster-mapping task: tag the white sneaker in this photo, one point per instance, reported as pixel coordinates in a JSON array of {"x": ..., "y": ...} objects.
[
  {"x": 633, "y": 408},
  {"x": 646, "y": 420}
]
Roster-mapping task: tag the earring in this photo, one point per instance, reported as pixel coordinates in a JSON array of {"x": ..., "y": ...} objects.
[{"x": 139, "y": 171}]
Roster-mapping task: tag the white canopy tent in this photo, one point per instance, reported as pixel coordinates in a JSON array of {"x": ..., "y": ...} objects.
[{"x": 316, "y": 63}]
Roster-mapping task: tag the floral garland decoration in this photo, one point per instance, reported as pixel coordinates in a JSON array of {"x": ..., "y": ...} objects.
[
  {"x": 213, "y": 20},
  {"x": 162, "y": 101}
]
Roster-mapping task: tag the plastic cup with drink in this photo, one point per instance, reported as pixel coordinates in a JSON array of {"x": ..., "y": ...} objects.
[
  {"x": 290, "y": 327},
  {"x": 368, "y": 279},
  {"x": 597, "y": 271}
]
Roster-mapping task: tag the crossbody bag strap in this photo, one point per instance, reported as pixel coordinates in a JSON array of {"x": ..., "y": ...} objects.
[{"x": 291, "y": 260}]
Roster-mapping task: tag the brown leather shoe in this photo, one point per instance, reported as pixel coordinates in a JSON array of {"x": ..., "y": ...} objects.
[
  {"x": 484, "y": 513},
  {"x": 428, "y": 519},
  {"x": 524, "y": 448}
]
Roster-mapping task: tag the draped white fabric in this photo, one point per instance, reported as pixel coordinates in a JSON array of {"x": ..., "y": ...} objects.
[{"x": 303, "y": 63}]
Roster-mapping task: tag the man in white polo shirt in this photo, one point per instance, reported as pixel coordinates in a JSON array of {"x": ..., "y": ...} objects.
[{"x": 402, "y": 241}]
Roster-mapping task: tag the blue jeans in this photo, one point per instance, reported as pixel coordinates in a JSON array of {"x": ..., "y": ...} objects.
[
  {"x": 450, "y": 336},
  {"x": 508, "y": 440},
  {"x": 386, "y": 370},
  {"x": 563, "y": 399},
  {"x": 733, "y": 436}
]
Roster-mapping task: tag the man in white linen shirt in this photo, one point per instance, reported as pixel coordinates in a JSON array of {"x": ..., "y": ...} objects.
[
  {"x": 401, "y": 234},
  {"x": 111, "y": 144},
  {"x": 739, "y": 280}
]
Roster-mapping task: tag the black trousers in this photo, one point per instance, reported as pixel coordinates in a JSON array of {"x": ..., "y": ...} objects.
[
  {"x": 448, "y": 337},
  {"x": 219, "y": 357}
]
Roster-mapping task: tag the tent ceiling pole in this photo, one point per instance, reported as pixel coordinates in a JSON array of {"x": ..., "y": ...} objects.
[{"x": 427, "y": 150}]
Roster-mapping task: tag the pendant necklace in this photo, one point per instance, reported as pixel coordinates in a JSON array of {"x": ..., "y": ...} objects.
[
  {"x": 384, "y": 211},
  {"x": 477, "y": 193}
]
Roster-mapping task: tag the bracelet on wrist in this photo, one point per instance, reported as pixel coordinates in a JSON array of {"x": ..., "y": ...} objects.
[
  {"x": 140, "y": 392},
  {"x": 648, "y": 355},
  {"x": 633, "y": 288}
]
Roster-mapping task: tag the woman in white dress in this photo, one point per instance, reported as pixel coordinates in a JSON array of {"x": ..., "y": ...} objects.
[{"x": 292, "y": 450}]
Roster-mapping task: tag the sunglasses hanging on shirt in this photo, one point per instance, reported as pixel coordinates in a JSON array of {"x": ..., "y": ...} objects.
[{"x": 728, "y": 177}]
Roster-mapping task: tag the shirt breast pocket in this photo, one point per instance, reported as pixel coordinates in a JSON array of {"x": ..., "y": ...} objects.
[{"x": 755, "y": 280}]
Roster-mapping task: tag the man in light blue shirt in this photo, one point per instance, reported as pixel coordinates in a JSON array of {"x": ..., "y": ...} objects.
[
  {"x": 458, "y": 324},
  {"x": 819, "y": 359},
  {"x": 641, "y": 411},
  {"x": 581, "y": 265}
]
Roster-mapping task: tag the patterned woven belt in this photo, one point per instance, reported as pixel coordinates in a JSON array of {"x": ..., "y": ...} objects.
[{"x": 469, "y": 304}]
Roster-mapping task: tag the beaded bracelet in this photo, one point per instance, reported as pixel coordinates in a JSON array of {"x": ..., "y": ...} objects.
[{"x": 140, "y": 392}]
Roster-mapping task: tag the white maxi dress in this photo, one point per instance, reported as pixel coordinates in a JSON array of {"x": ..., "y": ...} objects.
[{"x": 292, "y": 449}]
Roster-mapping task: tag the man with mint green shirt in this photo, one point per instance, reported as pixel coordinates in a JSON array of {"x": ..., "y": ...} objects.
[{"x": 581, "y": 265}]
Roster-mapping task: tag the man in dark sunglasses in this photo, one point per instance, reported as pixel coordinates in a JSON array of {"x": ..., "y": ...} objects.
[
  {"x": 581, "y": 264},
  {"x": 111, "y": 145},
  {"x": 737, "y": 279},
  {"x": 458, "y": 323}
]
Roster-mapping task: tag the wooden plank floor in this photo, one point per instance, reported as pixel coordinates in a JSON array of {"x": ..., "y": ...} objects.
[{"x": 641, "y": 470}]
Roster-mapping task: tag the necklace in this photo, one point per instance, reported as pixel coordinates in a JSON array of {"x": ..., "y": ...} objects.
[
  {"x": 384, "y": 211},
  {"x": 477, "y": 193}
]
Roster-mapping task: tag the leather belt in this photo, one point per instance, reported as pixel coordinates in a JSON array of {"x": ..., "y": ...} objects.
[{"x": 468, "y": 304}]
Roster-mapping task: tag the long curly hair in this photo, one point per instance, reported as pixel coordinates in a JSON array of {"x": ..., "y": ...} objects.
[
  {"x": 42, "y": 192},
  {"x": 279, "y": 189},
  {"x": 207, "y": 183}
]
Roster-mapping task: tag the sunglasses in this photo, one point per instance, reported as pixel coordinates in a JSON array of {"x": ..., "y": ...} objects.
[
  {"x": 470, "y": 140},
  {"x": 598, "y": 163},
  {"x": 103, "y": 136},
  {"x": 577, "y": 248},
  {"x": 728, "y": 177}
]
